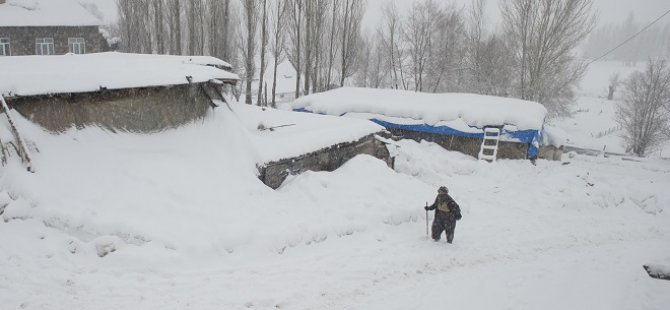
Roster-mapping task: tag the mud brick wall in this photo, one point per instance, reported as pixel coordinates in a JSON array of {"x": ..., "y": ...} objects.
[{"x": 141, "y": 110}]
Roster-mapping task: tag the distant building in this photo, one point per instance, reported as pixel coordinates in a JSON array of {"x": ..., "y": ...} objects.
[{"x": 48, "y": 27}]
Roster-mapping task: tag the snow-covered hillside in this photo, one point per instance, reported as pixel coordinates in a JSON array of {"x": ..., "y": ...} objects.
[
  {"x": 181, "y": 221},
  {"x": 593, "y": 124}
]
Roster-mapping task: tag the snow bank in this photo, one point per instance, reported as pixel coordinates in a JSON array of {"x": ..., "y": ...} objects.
[
  {"x": 19, "y": 13},
  {"x": 40, "y": 75},
  {"x": 474, "y": 110}
]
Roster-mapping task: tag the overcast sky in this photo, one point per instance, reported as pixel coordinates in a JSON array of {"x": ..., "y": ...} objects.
[{"x": 609, "y": 11}]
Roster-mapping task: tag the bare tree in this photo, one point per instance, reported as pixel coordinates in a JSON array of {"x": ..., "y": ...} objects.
[
  {"x": 320, "y": 14},
  {"x": 389, "y": 30},
  {"x": 614, "y": 83},
  {"x": 159, "y": 26},
  {"x": 264, "y": 43},
  {"x": 372, "y": 65},
  {"x": 176, "y": 27},
  {"x": 418, "y": 31},
  {"x": 333, "y": 46},
  {"x": 352, "y": 12},
  {"x": 192, "y": 26},
  {"x": 278, "y": 41},
  {"x": 296, "y": 9},
  {"x": 135, "y": 32},
  {"x": 475, "y": 46},
  {"x": 447, "y": 52},
  {"x": 250, "y": 13},
  {"x": 495, "y": 67},
  {"x": 308, "y": 13},
  {"x": 643, "y": 112},
  {"x": 545, "y": 33},
  {"x": 155, "y": 26}
]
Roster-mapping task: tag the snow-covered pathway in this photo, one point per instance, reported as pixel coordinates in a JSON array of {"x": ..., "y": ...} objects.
[{"x": 402, "y": 271}]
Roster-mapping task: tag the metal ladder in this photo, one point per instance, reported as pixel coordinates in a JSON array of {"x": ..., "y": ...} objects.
[{"x": 489, "y": 148}]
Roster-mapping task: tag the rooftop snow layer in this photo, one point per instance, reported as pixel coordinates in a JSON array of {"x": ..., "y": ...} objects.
[
  {"x": 475, "y": 110},
  {"x": 41, "y": 75},
  {"x": 17, "y": 13},
  {"x": 297, "y": 134}
]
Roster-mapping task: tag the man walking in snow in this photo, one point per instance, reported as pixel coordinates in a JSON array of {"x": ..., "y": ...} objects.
[{"x": 447, "y": 212}]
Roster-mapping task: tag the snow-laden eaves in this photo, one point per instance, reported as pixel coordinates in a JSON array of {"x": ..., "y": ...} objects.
[
  {"x": 474, "y": 110},
  {"x": 22, "y": 13},
  {"x": 44, "y": 75}
]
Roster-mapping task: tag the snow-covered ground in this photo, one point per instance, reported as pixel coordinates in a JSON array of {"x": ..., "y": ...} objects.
[{"x": 193, "y": 228}]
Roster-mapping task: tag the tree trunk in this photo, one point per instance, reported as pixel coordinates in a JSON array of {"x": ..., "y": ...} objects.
[
  {"x": 177, "y": 27},
  {"x": 158, "y": 11},
  {"x": 264, "y": 40},
  {"x": 249, "y": 65},
  {"x": 309, "y": 40},
  {"x": 331, "y": 58},
  {"x": 274, "y": 84},
  {"x": 345, "y": 32},
  {"x": 298, "y": 48}
]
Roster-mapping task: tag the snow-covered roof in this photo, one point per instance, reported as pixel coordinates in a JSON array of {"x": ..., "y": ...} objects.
[
  {"x": 302, "y": 132},
  {"x": 41, "y": 75},
  {"x": 18, "y": 13},
  {"x": 474, "y": 110}
]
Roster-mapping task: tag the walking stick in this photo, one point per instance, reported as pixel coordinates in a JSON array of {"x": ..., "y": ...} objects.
[{"x": 427, "y": 233}]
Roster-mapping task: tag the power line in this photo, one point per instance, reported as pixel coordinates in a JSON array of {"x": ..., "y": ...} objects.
[{"x": 631, "y": 38}]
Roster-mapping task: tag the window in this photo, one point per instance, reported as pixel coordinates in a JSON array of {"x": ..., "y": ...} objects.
[
  {"x": 77, "y": 45},
  {"x": 44, "y": 46},
  {"x": 5, "y": 48}
]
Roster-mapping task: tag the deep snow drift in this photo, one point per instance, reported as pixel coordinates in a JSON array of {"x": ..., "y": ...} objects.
[{"x": 178, "y": 219}]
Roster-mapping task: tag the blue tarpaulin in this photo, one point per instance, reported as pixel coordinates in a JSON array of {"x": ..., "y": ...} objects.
[{"x": 531, "y": 137}]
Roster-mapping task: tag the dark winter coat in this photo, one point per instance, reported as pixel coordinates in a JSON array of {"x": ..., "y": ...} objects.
[
  {"x": 445, "y": 206},
  {"x": 447, "y": 212}
]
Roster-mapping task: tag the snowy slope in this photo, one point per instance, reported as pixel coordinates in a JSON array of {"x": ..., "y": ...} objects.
[
  {"x": 593, "y": 123},
  {"x": 194, "y": 228}
]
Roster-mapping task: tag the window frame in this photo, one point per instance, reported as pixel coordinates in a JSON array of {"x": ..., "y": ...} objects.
[
  {"x": 5, "y": 47},
  {"x": 42, "y": 43},
  {"x": 79, "y": 43}
]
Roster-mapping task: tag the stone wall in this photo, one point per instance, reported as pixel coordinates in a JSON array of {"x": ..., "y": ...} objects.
[
  {"x": 143, "y": 110},
  {"x": 465, "y": 145},
  {"x": 550, "y": 152},
  {"x": 22, "y": 39},
  {"x": 327, "y": 159}
]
